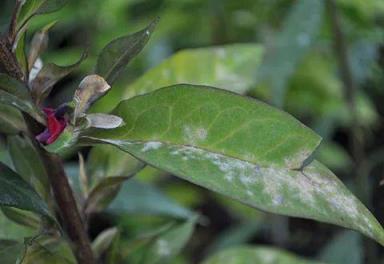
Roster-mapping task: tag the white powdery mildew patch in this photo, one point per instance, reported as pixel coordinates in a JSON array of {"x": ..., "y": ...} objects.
[
  {"x": 151, "y": 145},
  {"x": 162, "y": 247},
  {"x": 193, "y": 135},
  {"x": 297, "y": 160},
  {"x": 279, "y": 184}
]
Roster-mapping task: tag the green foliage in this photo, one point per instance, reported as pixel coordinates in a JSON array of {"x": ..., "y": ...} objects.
[
  {"x": 262, "y": 255},
  {"x": 15, "y": 192},
  {"x": 252, "y": 155},
  {"x": 118, "y": 53}
]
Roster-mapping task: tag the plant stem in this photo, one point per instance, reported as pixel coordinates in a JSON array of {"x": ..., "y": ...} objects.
[
  {"x": 341, "y": 52},
  {"x": 70, "y": 216}
]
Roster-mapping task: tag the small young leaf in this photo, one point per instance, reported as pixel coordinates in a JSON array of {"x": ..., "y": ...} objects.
[
  {"x": 22, "y": 217},
  {"x": 15, "y": 192},
  {"x": 238, "y": 147},
  {"x": 49, "y": 75},
  {"x": 104, "y": 240},
  {"x": 106, "y": 161},
  {"x": 49, "y": 6},
  {"x": 20, "y": 53},
  {"x": 90, "y": 89},
  {"x": 38, "y": 44},
  {"x": 37, "y": 7},
  {"x": 103, "y": 194},
  {"x": 104, "y": 121},
  {"x": 119, "y": 52},
  {"x": 259, "y": 255},
  {"x": 165, "y": 245}
]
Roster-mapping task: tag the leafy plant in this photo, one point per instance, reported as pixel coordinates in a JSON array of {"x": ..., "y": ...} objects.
[{"x": 171, "y": 119}]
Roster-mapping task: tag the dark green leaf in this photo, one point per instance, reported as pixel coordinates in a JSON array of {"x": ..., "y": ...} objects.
[
  {"x": 15, "y": 192},
  {"x": 119, "y": 52},
  {"x": 28, "y": 164},
  {"x": 11, "y": 120},
  {"x": 10, "y": 250},
  {"x": 14, "y": 87},
  {"x": 238, "y": 147}
]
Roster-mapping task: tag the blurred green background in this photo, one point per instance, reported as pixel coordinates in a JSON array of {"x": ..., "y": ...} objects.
[{"x": 296, "y": 68}]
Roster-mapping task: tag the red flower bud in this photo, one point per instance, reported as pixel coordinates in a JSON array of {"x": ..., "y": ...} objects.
[{"x": 56, "y": 123}]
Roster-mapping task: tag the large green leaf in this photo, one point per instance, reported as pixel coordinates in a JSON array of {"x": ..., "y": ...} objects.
[
  {"x": 15, "y": 192},
  {"x": 239, "y": 147},
  {"x": 231, "y": 67},
  {"x": 119, "y": 52},
  {"x": 259, "y": 255}
]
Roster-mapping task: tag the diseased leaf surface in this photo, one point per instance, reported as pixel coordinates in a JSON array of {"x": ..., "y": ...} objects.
[{"x": 239, "y": 147}]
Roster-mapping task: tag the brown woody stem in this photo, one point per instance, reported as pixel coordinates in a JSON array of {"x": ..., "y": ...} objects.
[{"x": 70, "y": 215}]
